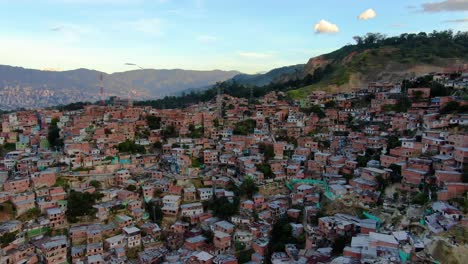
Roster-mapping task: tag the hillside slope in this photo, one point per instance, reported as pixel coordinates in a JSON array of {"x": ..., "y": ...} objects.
[
  {"x": 275, "y": 75},
  {"x": 377, "y": 58},
  {"x": 373, "y": 58}
]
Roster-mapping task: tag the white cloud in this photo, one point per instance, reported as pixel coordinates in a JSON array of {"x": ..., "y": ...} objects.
[
  {"x": 206, "y": 38},
  {"x": 368, "y": 14},
  {"x": 254, "y": 55},
  {"x": 324, "y": 26},
  {"x": 151, "y": 26}
]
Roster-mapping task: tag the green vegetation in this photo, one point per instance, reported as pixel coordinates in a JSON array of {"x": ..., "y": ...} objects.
[
  {"x": 393, "y": 142},
  {"x": 369, "y": 155},
  {"x": 371, "y": 53},
  {"x": 95, "y": 184},
  {"x": 267, "y": 150},
  {"x": 339, "y": 245},
  {"x": 61, "y": 182},
  {"x": 222, "y": 207},
  {"x": 155, "y": 212},
  {"x": 244, "y": 127},
  {"x": 158, "y": 145},
  {"x": 197, "y": 162},
  {"x": 461, "y": 202},
  {"x": 53, "y": 135},
  {"x": 196, "y": 132},
  {"x": 170, "y": 131},
  {"x": 154, "y": 122},
  {"x": 81, "y": 204},
  {"x": 402, "y": 105},
  {"x": 281, "y": 235},
  {"x": 31, "y": 214},
  {"x": 453, "y": 108},
  {"x": 282, "y": 135},
  {"x": 244, "y": 256},
  {"x": 420, "y": 198},
  {"x": 314, "y": 109},
  {"x": 131, "y": 188},
  {"x": 130, "y": 147},
  {"x": 248, "y": 188},
  {"x": 265, "y": 168},
  {"x": 437, "y": 89},
  {"x": 73, "y": 106},
  {"x": 396, "y": 173},
  {"x": 7, "y": 238},
  {"x": 7, "y": 147},
  {"x": 374, "y": 53}
]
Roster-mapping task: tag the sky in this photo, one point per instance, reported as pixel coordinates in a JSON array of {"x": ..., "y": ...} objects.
[{"x": 246, "y": 35}]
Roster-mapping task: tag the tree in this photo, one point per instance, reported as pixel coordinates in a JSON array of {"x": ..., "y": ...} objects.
[
  {"x": 244, "y": 127},
  {"x": 197, "y": 162},
  {"x": 53, "y": 135},
  {"x": 348, "y": 177},
  {"x": 396, "y": 172},
  {"x": 155, "y": 212},
  {"x": 95, "y": 184},
  {"x": 450, "y": 107},
  {"x": 381, "y": 182},
  {"x": 131, "y": 188},
  {"x": 465, "y": 172},
  {"x": 330, "y": 104},
  {"x": 216, "y": 123},
  {"x": 420, "y": 198},
  {"x": 393, "y": 142},
  {"x": 196, "y": 132},
  {"x": 281, "y": 235},
  {"x": 130, "y": 147},
  {"x": 158, "y": 145},
  {"x": 7, "y": 147},
  {"x": 314, "y": 109},
  {"x": 339, "y": 244},
  {"x": 248, "y": 188},
  {"x": 7, "y": 238},
  {"x": 154, "y": 122},
  {"x": 81, "y": 204},
  {"x": 170, "y": 131},
  {"x": 265, "y": 168},
  {"x": 362, "y": 160},
  {"x": 267, "y": 150},
  {"x": 222, "y": 207}
]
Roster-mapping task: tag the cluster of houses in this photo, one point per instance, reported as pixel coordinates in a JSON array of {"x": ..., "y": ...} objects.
[{"x": 345, "y": 154}]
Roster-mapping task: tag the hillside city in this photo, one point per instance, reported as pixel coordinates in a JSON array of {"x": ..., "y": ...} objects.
[{"x": 375, "y": 175}]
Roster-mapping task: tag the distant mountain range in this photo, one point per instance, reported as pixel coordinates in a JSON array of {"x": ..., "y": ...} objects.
[
  {"x": 20, "y": 87},
  {"x": 374, "y": 57}
]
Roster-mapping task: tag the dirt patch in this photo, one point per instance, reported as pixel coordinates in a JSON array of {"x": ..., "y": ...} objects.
[{"x": 447, "y": 254}]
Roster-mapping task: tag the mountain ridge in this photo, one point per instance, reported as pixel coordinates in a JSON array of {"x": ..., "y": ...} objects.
[
  {"x": 374, "y": 57},
  {"x": 23, "y": 87}
]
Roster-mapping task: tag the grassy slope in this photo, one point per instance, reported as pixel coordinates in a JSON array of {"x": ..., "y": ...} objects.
[{"x": 384, "y": 63}]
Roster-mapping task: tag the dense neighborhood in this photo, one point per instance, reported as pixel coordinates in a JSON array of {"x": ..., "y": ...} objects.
[{"x": 376, "y": 175}]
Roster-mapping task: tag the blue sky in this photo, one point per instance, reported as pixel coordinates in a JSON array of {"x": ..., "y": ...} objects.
[{"x": 246, "y": 35}]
